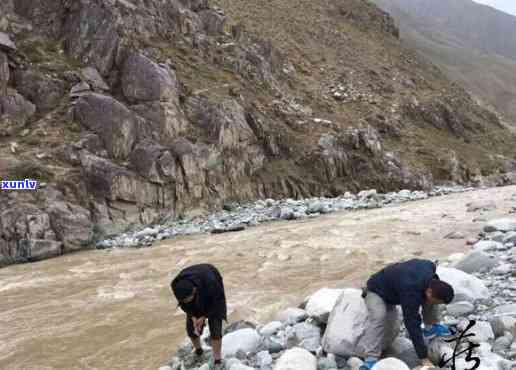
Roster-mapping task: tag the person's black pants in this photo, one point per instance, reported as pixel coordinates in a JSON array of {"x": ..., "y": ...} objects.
[{"x": 214, "y": 324}]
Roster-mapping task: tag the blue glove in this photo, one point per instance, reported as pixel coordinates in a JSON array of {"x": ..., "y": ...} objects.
[{"x": 437, "y": 330}]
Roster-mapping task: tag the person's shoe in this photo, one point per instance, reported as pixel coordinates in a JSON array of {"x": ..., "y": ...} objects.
[
  {"x": 436, "y": 330},
  {"x": 217, "y": 365},
  {"x": 367, "y": 365},
  {"x": 199, "y": 352}
]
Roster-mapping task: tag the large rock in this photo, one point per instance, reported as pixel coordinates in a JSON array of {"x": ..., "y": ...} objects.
[
  {"x": 26, "y": 234},
  {"x": 510, "y": 237},
  {"x": 501, "y": 324},
  {"x": 143, "y": 80},
  {"x": 72, "y": 224},
  {"x": 507, "y": 309},
  {"x": 390, "y": 364},
  {"x": 15, "y": 111},
  {"x": 487, "y": 245},
  {"x": 460, "y": 308},
  {"x": 476, "y": 261},
  {"x": 321, "y": 303},
  {"x": 44, "y": 91},
  {"x": 165, "y": 121},
  {"x": 6, "y": 43},
  {"x": 308, "y": 336},
  {"x": 246, "y": 340},
  {"x": 296, "y": 359},
  {"x": 403, "y": 349},
  {"x": 346, "y": 324},
  {"x": 271, "y": 328},
  {"x": 291, "y": 315},
  {"x": 467, "y": 287},
  {"x": 94, "y": 79},
  {"x": 501, "y": 224},
  {"x": 111, "y": 120},
  {"x": 145, "y": 160}
]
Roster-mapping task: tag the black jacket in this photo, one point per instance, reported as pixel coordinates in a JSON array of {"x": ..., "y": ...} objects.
[
  {"x": 210, "y": 301},
  {"x": 405, "y": 284}
]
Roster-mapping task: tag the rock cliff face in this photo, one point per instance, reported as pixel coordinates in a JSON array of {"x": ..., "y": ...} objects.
[{"x": 131, "y": 111}]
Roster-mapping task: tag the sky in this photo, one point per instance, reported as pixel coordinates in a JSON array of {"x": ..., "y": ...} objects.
[{"x": 508, "y": 6}]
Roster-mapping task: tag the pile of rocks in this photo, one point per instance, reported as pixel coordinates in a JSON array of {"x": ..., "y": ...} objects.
[
  {"x": 236, "y": 217},
  {"x": 324, "y": 333}
]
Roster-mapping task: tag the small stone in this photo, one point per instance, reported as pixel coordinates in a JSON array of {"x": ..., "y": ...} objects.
[{"x": 455, "y": 235}]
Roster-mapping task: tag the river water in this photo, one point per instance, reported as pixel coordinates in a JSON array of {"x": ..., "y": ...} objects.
[{"x": 112, "y": 309}]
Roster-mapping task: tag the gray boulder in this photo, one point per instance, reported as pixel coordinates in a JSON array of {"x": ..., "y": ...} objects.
[
  {"x": 41, "y": 89},
  {"x": 72, "y": 224},
  {"x": 467, "y": 287},
  {"x": 292, "y": 315},
  {"x": 481, "y": 205},
  {"x": 271, "y": 328},
  {"x": 308, "y": 336},
  {"x": 143, "y": 80},
  {"x": 144, "y": 159},
  {"x": 321, "y": 303},
  {"x": 460, "y": 308},
  {"x": 403, "y": 349},
  {"x": 245, "y": 340},
  {"x": 501, "y": 224},
  {"x": 296, "y": 359},
  {"x": 476, "y": 261},
  {"x": 487, "y": 245},
  {"x": 15, "y": 111},
  {"x": 111, "y": 120},
  {"x": 93, "y": 78},
  {"x": 510, "y": 237},
  {"x": 6, "y": 43},
  {"x": 212, "y": 21},
  {"x": 502, "y": 324}
]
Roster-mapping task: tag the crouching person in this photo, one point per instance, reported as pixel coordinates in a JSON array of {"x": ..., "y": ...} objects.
[
  {"x": 199, "y": 290},
  {"x": 413, "y": 285}
]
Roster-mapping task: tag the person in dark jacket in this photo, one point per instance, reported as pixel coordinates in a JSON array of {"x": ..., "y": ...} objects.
[
  {"x": 413, "y": 285},
  {"x": 199, "y": 290}
]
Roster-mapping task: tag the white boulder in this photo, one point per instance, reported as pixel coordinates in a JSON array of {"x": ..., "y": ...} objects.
[
  {"x": 467, "y": 287},
  {"x": 321, "y": 303},
  {"x": 246, "y": 340},
  {"x": 390, "y": 363},
  {"x": 296, "y": 359}
]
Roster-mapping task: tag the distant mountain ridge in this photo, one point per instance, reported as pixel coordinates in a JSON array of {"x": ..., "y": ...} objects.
[{"x": 472, "y": 42}]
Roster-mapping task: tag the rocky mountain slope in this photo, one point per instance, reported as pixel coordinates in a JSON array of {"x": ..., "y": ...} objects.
[
  {"x": 471, "y": 42},
  {"x": 131, "y": 112}
]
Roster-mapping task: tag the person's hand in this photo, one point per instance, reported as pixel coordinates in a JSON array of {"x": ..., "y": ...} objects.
[
  {"x": 198, "y": 324},
  {"x": 427, "y": 362}
]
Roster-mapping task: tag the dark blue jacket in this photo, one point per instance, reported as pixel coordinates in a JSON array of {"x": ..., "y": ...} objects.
[
  {"x": 211, "y": 298},
  {"x": 404, "y": 284}
]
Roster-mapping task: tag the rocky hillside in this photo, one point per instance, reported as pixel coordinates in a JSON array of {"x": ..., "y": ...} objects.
[
  {"x": 464, "y": 38},
  {"x": 130, "y": 112}
]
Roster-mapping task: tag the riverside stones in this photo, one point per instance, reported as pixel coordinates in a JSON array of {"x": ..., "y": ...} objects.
[
  {"x": 467, "y": 287},
  {"x": 476, "y": 261},
  {"x": 322, "y": 302},
  {"x": 296, "y": 359},
  {"x": 245, "y": 340},
  {"x": 391, "y": 364},
  {"x": 292, "y": 315},
  {"x": 501, "y": 224}
]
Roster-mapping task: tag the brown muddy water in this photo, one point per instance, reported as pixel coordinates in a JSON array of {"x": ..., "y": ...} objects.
[{"x": 113, "y": 309}]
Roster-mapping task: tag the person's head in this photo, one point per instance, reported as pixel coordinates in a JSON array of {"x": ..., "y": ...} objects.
[
  {"x": 439, "y": 292},
  {"x": 184, "y": 290}
]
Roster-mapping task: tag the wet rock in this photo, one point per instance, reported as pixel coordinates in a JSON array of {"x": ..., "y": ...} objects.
[
  {"x": 296, "y": 359},
  {"x": 246, "y": 340},
  {"x": 487, "y": 245},
  {"x": 476, "y": 261},
  {"x": 501, "y": 224},
  {"x": 467, "y": 287},
  {"x": 111, "y": 120},
  {"x": 481, "y": 205},
  {"x": 143, "y": 80},
  {"x": 321, "y": 303}
]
